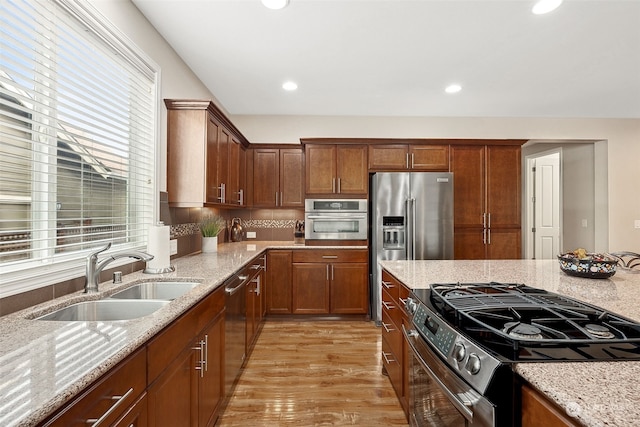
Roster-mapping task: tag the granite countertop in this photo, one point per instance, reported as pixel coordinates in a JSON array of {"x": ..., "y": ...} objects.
[
  {"x": 595, "y": 394},
  {"x": 39, "y": 367}
]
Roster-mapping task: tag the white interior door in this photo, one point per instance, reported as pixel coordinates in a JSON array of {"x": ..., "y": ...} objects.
[{"x": 546, "y": 206}]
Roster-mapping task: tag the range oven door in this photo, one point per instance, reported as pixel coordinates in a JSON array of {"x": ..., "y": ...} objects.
[{"x": 437, "y": 396}]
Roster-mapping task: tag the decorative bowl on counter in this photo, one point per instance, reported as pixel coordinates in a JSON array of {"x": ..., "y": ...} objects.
[{"x": 591, "y": 265}]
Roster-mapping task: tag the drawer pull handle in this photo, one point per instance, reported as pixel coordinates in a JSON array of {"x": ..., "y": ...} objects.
[
  {"x": 387, "y": 285},
  {"x": 387, "y": 358},
  {"x": 388, "y": 306},
  {"x": 95, "y": 422},
  {"x": 329, "y": 256},
  {"x": 386, "y": 327}
]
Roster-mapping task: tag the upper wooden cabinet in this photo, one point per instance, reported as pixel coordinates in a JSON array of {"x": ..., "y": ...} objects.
[
  {"x": 413, "y": 157},
  {"x": 205, "y": 155},
  {"x": 487, "y": 200},
  {"x": 335, "y": 169},
  {"x": 277, "y": 177}
]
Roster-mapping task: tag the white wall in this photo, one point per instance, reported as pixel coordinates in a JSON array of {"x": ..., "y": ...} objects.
[{"x": 623, "y": 136}]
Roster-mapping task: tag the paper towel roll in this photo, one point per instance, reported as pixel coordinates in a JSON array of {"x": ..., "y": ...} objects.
[{"x": 158, "y": 246}]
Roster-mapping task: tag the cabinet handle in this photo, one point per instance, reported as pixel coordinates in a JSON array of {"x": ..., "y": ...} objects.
[
  {"x": 489, "y": 236},
  {"x": 339, "y": 190},
  {"x": 281, "y": 199},
  {"x": 387, "y": 358},
  {"x": 206, "y": 352},
  {"x": 327, "y": 271},
  {"x": 388, "y": 306},
  {"x": 329, "y": 256},
  {"x": 276, "y": 198},
  {"x": 200, "y": 362},
  {"x": 403, "y": 301},
  {"x": 489, "y": 222},
  {"x": 257, "y": 285},
  {"x": 386, "y": 327},
  {"x": 95, "y": 422},
  {"x": 407, "y": 156},
  {"x": 387, "y": 284},
  {"x": 333, "y": 185},
  {"x": 331, "y": 271},
  {"x": 255, "y": 266},
  {"x": 222, "y": 193},
  {"x": 264, "y": 258},
  {"x": 241, "y": 197}
]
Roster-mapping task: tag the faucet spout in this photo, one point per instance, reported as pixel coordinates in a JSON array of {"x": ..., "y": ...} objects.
[{"x": 94, "y": 268}]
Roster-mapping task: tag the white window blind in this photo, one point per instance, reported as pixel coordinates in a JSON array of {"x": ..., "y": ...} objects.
[{"x": 77, "y": 135}]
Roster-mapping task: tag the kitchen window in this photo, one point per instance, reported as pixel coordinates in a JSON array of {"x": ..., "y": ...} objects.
[{"x": 78, "y": 128}]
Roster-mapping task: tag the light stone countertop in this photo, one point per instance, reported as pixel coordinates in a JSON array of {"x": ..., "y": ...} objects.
[
  {"x": 44, "y": 364},
  {"x": 595, "y": 394}
]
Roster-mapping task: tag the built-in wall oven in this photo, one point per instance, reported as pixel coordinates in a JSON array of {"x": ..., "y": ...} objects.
[
  {"x": 331, "y": 219},
  {"x": 464, "y": 340}
]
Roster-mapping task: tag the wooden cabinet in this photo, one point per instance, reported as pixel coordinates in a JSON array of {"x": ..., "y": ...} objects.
[
  {"x": 187, "y": 357},
  {"x": 110, "y": 398},
  {"x": 395, "y": 350},
  {"x": 333, "y": 169},
  {"x": 537, "y": 411},
  {"x": 255, "y": 299},
  {"x": 330, "y": 281},
  {"x": 204, "y": 156},
  {"x": 487, "y": 200},
  {"x": 279, "y": 282},
  {"x": 408, "y": 157},
  {"x": 277, "y": 177}
]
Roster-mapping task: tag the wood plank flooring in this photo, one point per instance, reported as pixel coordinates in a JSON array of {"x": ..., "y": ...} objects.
[{"x": 314, "y": 373}]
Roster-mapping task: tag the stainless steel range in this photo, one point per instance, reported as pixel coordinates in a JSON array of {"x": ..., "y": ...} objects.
[{"x": 466, "y": 338}]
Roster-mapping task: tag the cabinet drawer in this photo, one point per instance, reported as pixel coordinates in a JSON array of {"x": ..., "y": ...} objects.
[
  {"x": 392, "y": 366},
  {"x": 392, "y": 332},
  {"x": 391, "y": 307},
  {"x": 403, "y": 294},
  {"x": 110, "y": 397},
  {"x": 168, "y": 344},
  {"x": 331, "y": 256},
  {"x": 391, "y": 285}
]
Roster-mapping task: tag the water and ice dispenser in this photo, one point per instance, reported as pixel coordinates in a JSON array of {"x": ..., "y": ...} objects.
[{"x": 393, "y": 232}]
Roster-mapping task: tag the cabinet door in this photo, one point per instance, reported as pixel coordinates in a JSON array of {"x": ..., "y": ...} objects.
[
  {"x": 537, "y": 410},
  {"x": 320, "y": 169},
  {"x": 429, "y": 157},
  {"x": 173, "y": 397},
  {"x": 310, "y": 288},
  {"x": 349, "y": 288},
  {"x": 253, "y": 309},
  {"x": 224, "y": 145},
  {"x": 211, "y": 380},
  {"x": 503, "y": 186},
  {"x": 233, "y": 181},
  {"x": 213, "y": 186},
  {"x": 351, "y": 169},
  {"x": 468, "y": 243},
  {"x": 266, "y": 174},
  {"x": 279, "y": 282},
  {"x": 504, "y": 243},
  {"x": 136, "y": 416},
  {"x": 391, "y": 157},
  {"x": 291, "y": 177},
  {"x": 467, "y": 165}
]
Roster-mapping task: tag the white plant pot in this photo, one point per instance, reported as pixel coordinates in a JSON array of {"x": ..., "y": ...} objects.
[{"x": 209, "y": 244}]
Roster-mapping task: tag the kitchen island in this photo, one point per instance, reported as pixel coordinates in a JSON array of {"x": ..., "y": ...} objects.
[
  {"x": 45, "y": 364},
  {"x": 592, "y": 393}
]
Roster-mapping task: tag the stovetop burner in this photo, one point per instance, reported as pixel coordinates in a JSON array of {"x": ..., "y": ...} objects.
[{"x": 523, "y": 323}]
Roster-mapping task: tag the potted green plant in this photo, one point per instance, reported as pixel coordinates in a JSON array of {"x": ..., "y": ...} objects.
[{"x": 210, "y": 227}]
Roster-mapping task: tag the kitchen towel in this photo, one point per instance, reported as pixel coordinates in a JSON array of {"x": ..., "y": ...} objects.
[{"x": 158, "y": 246}]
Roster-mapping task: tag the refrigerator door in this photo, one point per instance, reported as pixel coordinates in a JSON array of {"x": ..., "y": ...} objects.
[{"x": 432, "y": 215}]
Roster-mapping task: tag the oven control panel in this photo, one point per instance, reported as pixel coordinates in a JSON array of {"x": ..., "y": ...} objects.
[{"x": 469, "y": 360}]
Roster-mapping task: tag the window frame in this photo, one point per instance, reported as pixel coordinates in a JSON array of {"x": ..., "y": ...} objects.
[{"x": 24, "y": 276}]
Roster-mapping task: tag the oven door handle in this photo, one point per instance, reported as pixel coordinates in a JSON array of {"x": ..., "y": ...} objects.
[
  {"x": 336, "y": 218},
  {"x": 462, "y": 406}
]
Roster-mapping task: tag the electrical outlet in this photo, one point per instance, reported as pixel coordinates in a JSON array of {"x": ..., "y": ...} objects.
[
  {"x": 636, "y": 223},
  {"x": 251, "y": 234},
  {"x": 173, "y": 247}
]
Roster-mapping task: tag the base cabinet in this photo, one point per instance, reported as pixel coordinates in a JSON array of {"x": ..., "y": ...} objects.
[
  {"x": 538, "y": 411},
  {"x": 185, "y": 367},
  {"x": 279, "y": 280}
]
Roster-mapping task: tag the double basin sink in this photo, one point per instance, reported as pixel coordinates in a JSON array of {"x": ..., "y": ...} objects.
[{"x": 136, "y": 301}]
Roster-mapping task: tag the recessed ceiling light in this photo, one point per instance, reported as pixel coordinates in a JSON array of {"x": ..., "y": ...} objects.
[
  {"x": 289, "y": 86},
  {"x": 275, "y": 4},
  {"x": 545, "y": 6},
  {"x": 454, "y": 88}
]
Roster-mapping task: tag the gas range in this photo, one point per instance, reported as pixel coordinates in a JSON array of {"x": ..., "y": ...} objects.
[{"x": 479, "y": 329}]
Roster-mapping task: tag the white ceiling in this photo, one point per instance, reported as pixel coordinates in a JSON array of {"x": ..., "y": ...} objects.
[{"x": 395, "y": 57}]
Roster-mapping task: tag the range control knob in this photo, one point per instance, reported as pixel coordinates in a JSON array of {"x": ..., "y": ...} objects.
[
  {"x": 411, "y": 305},
  {"x": 473, "y": 364},
  {"x": 459, "y": 351}
]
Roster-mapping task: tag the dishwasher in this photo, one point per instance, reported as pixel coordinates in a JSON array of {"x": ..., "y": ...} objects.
[{"x": 235, "y": 328}]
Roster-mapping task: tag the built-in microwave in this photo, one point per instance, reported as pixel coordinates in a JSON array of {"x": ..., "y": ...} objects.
[{"x": 331, "y": 219}]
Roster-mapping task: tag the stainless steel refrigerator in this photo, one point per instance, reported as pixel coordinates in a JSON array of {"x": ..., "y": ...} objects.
[{"x": 412, "y": 219}]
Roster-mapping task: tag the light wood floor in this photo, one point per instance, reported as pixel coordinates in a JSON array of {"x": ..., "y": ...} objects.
[{"x": 314, "y": 373}]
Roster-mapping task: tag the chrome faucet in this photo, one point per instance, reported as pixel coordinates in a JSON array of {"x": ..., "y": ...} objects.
[{"x": 94, "y": 268}]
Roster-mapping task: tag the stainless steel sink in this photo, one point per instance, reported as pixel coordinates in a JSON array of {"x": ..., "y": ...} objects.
[
  {"x": 156, "y": 290},
  {"x": 105, "y": 310}
]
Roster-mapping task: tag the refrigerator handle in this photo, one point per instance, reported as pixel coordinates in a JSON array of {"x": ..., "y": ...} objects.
[{"x": 411, "y": 229}]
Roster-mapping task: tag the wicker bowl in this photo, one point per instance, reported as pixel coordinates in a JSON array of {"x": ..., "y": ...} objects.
[{"x": 593, "y": 266}]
